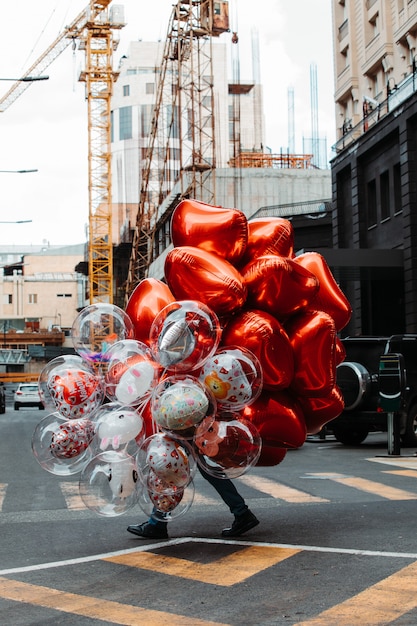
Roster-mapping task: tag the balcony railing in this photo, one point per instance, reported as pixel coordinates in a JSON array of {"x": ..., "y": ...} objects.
[
  {"x": 373, "y": 113},
  {"x": 343, "y": 30}
]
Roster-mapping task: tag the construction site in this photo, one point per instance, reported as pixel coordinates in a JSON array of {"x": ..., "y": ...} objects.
[{"x": 170, "y": 123}]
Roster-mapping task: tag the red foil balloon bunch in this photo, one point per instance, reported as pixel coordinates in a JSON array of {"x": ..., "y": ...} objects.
[{"x": 285, "y": 309}]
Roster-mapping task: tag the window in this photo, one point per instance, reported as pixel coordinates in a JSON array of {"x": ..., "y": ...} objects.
[
  {"x": 64, "y": 295},
  {"x": 33, "y": 298},
  {"x": 8, "y": 298},
  {"x": 145, "y": 119},
  {"x": 125, "y": 123},
  {"x": 150, "y": 88},
  {"x": 126, "y": 90},
  {"x": 397, "y": 188},
  {"x": 384, "y": 194},
  {"x": 371, "y": 215}
]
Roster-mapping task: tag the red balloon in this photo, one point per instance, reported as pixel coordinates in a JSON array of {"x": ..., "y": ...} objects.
[
  {"x": 271, "y": 456},
  {"x": 147, "y": 300},
  {"x": 264, "y": 336},
  {"x": 340, "y": 351},
  {"x": 276, "y": 285},
  {"x": 214, "y": 229},
  {"x": 272, "y": 235},
  {"x": 318, "y": 411},
  {"x": 278, "y": 418},
  {"x": 313, "y": 339},
  {"x": 195, "y": 274},
  {"x": 329, "y": 297}
]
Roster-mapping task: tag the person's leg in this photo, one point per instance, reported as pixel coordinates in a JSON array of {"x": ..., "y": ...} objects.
[
  {"x": 228, "y": 493},
  {"x": 244, "y": 518}
]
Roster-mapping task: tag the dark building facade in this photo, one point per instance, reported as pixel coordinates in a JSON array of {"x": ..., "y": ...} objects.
[{"x": 374, "y": 256}]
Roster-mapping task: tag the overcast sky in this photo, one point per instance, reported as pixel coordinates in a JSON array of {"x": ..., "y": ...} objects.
[{"x": 46, "y": 127}]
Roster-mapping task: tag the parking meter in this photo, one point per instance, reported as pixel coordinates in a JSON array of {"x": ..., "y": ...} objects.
[{"x": 392, "y": 382}]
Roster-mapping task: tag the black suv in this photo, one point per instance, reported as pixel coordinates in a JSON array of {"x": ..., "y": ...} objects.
[{"x": 358, "y": 380}]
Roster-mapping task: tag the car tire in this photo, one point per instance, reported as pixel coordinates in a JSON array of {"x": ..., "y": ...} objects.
[
  {"x": 16, "y": 406},
  {"x": 409, "y": 438},
  {"x": 41, "y": 407},
  {"x": 352, "y": 436},
  {"x": 2, "y": 409},
  {"x": 354, "y": 381}
]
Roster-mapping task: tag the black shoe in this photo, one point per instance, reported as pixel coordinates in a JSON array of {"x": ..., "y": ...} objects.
[
  {"x": 241, "y": 525},
  {"x": 150, "y": 531}
]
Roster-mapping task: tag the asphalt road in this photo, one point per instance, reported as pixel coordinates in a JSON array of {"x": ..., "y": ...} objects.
[{"x": 336, "y": 544}]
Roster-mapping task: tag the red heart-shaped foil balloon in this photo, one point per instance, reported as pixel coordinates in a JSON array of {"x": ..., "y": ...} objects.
[
  {"x": 279, "y": 286},
  {"x": 272, "y": 235},
  {"x": 278, "y": 418},
  {"x": 318, "y": 411},
  {"x": 271, "y": 456},
  {"x": 195, "y": 274},
  {"x": 264, "y": 336},
  {"x": 215, "y": 229},
  {"x": 329, "y": 297},
  {"x": 340, "y": 351},
  {"x": 313, "y": 339},
  {"x": 147, "y": 300}
]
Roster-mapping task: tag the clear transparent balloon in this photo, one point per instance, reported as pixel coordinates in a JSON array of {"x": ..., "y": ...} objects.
[
  {"x": 166, "y": 506},
  {"x": 234, "y": 376},
  {"x": 109, "y": 483},
  {"x": 228, "y": 447},
  {"x": 117, "y": 427},
  {"x": 97, "y": 327},
  {"x": 131, "y": 372},
  {"x": 170, "y": 460},
  {"x": 179, "y": 403},
  {"x": 183, "y": 335},
  {"x": 61, "y": 446},
  {"x": 70, "y": 385}
]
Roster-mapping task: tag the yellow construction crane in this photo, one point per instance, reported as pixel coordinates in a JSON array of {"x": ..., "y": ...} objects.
[
  {"x": 93, "y": 28},
  {"x": 180, "y": 159}
]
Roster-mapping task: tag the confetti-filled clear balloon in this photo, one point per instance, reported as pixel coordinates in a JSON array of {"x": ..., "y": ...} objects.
[
  {"x": 119, "y": 428},
  {"x": 165, "y": 504},
  {"x": 179, "y": 403},
  {"x": 68, "y": 384},
  {"x": 131, "y": 372},
  {"x": 166, "y": 458},
  {"x": 183, "y": 335},
  {"x": 234, "y": 376},
  {"x": 61, "y": 446},
  {"x": 97, "y": 327},
  {"x": 229, "y": 447},
  {"x": 109, "y": 483}
]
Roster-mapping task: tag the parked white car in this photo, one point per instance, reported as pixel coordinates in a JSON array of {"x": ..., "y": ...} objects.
[{"x": 27, "y": 394}]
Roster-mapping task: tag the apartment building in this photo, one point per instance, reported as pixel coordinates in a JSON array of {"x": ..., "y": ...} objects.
[{"x": 374, "y": 173}]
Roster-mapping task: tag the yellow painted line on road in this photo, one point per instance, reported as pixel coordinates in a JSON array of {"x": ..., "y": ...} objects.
[
  {"x": 94, "y": 608},
  {"x": 227, "y": 571},
  {"x": 378, "y": 605},
  {"x": 277, "y": 490},
  {"x": 71, "y": 493},
  {"x": 378, "y": 489}
]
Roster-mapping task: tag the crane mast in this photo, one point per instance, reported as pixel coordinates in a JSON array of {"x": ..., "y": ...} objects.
[
  {"x": 181, "y": 150},
  {"x": 93, "y": 27}
]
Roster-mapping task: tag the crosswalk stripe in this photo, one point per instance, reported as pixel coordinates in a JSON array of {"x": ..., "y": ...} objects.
[
  {"x": 378, "y": 605},
  {"x": 3, "y": 489},
  {"x": 407, "y": 472},
  {"x": 371, "y": 486},
  {"x": 71, "y": 493},
  {"x": 277, "y": 490}
]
